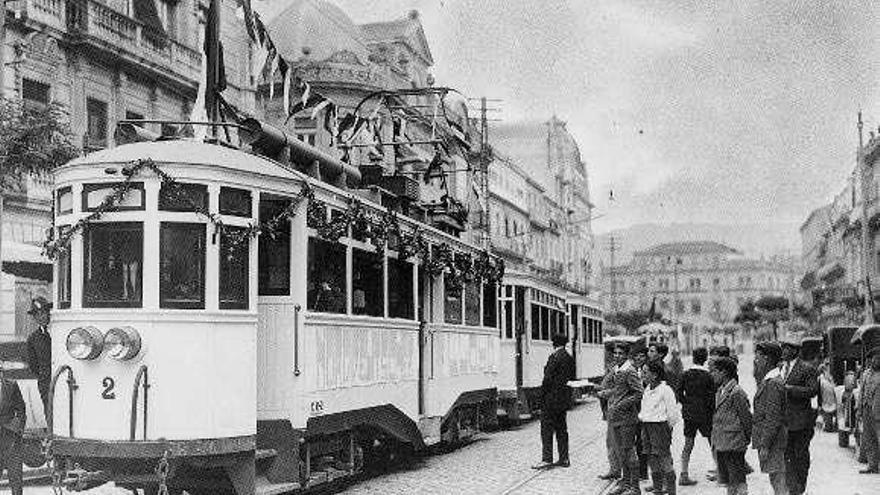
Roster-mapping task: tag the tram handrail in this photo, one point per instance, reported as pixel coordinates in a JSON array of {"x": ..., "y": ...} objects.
[
  {"x": 296, "y": 310},
  {"x": 142, "y": 373},
  {"x": 50, "y": 412}
]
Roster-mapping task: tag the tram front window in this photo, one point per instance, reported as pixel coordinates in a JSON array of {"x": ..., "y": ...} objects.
[
  {"x": 234, "y": 268},
  {"x": 182, "y": 266},
  {"x": 453, "y": 302},
  {"x": 64, "y": 275},
  {"x": 113, "y": 265},
  {"x": 326, "y": 277},
  {"x": 490, "y": 312},
  {"x": 367, "y": 294}
]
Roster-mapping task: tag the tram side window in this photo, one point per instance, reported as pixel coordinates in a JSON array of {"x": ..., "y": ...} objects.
[
  {"x": 472, "y": 304},
  {"x": 182, "y": 265},
  {"x": 367, "y": 284},
  {"x": 64, "y": 201},
  {"x": 490, "y": 305},
  {"x": 536, "y": 322},
  {"x": 113, "y": 255},
  {"x": 64, "y": 279},
  {"x": 183, "y": 197},
  {"x": 452, "y": 296},
  {"x": 508, "y": 319},
  {"x": 274, "y": 250},
  {"x": 234, "y": 269},
  {"x": 601, "y": 336},
  {"x": 326, "y": 277},
  {"x": 400, "y": 289},
  {"x": 587, "y": 329},
  {"x": 235, "y": 202},
  {"x": 545, "y": 323},
  {"x": 554, "y": 322}
]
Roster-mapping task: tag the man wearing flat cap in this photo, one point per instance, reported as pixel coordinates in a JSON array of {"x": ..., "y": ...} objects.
[
  {"x": 39, "y": 347},
  {"x": 556, "y": 400},
  {"x": 870, "y": 411},
  {"x": 769, "y": 433},
  {"x": 801, "y": 385}
]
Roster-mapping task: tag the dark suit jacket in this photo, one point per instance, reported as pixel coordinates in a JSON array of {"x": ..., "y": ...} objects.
[
  {"x": 801, "y": 385},
  {"x": 39, "y": 354},
  {"x": 696, "y": 393},
  {"x": 555, "y": 392},
  {"x": 769, "y": 431},
  {"x": 12, "y": 411},
  {"x": 732, "y": 421}
]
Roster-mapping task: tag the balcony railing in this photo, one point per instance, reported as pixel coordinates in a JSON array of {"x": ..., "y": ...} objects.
[{"x": 92, "y": 22}]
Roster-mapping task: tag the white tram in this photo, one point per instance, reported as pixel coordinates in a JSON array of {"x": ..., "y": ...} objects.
[
  {"x": 183, "y": 345},
  {"x": 531, "y": 312}
]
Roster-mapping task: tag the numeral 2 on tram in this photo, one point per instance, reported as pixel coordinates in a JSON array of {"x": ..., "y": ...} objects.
[{"x": 108, "y": 392}]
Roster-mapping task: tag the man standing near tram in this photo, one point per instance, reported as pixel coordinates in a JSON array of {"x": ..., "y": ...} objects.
[{"x": 39, "y": 347}]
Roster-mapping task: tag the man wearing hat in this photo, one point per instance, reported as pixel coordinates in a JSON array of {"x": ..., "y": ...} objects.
[
  {"x": 769, "y": 434},
  {"x": 39, "y": 347},
  {"x": 556, "y": 400},
  {"x": 870, "y": 410},
  {"x": 12, "y": 421},
  {"x": 801, "y": 385}
]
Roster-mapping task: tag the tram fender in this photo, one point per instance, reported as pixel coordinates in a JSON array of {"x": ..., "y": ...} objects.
[
  {"x": 385, "y": 417},
  {"x": 472, "y": 397}
]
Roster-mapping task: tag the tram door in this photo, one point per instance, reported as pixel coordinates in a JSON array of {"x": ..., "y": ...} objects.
[
  {"x": 573, "y": 334},
  {"x": 520, "y": 319}
]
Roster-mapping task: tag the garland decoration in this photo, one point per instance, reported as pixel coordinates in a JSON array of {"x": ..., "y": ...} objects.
[{"x": 412, "y": 245}]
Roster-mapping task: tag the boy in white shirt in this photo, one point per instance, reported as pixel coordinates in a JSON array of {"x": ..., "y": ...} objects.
[{"x": 659, "y": 413}]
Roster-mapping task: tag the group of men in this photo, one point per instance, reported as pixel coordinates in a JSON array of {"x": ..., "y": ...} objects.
[{"x": 780, "y": 429}]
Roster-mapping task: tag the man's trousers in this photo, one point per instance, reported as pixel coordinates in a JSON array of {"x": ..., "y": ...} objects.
[
  {"x": 554, "y": 423},
  {"x": 797, "y": 460}
]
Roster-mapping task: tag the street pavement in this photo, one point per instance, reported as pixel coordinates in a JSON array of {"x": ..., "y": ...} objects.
[{"x": 499, "y": 463}]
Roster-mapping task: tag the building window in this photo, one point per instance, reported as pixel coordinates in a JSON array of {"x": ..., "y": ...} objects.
[
  {"x": 367, "y": 284},
  {"x": 234, "y": 269},
  {"x": 113, "y": 255},
  {"x": 694, "y": 283},
  {"x": 274, "y": 251},
  {"x": 716, "y": 307},
  {"x": 34, "y": 94},
  {"x": 664, "y": 304},
  {"x": 182, "y": 265},
  {"x": 696, "y": 307},
  {"x": 400, "y": 289},
  {"x": 96, "y": 119},
  {"x": 325, "y": 281},
  {"x": 679, "y": 307}
]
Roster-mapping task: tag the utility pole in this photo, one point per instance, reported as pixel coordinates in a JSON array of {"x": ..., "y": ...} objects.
[
  {"x": 485, "y": 161},
  {"x": 613, "y": 247},
  {"x": 864, "y": 169}
]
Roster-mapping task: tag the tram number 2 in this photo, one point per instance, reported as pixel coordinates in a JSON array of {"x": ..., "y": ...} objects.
[
  {"x": 316, "y": 408},
  {"x": 108, "y": 383}
]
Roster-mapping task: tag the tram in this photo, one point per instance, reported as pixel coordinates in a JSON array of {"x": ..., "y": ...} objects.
[
  {"x": 232, "y": 321},
  {"x": 531, "y": 312}
]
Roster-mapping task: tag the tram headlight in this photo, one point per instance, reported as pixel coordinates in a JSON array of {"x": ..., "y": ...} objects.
[
  {"x": 85, "y": 343},
  {"x": 122, "y": 343}
]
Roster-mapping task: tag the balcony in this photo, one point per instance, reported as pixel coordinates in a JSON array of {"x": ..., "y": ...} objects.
[{"x": 92, "y": 25}]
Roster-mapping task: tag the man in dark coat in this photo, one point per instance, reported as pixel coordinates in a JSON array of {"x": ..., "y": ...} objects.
[
  {"x": 39, "y": 347},
  {"x": 801, "y": 385},
  {"x": 696, "y": 394},
  {"x": 769, "y": 433},
  {"x": 12, "y": 421},
  {"x": 556, "y": 401}
]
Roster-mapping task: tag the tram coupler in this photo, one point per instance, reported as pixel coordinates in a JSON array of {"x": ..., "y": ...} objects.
[{"x": 78, "y": 479}]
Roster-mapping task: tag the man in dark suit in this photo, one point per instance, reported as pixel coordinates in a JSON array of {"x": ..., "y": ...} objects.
[
  {"x": 39, "y": 347},
  {"x": 12, "y": 421},
  {"x": 556, "y": 400},
  {"x": 801, "y": 385},
  {"x": 769, "y": 433},
  {"x": 696, "y": 394}
]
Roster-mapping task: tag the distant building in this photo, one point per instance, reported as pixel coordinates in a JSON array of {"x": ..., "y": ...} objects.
[{"x": 700, "y": 285}]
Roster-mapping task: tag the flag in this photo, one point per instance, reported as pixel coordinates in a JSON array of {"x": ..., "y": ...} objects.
[
  {"x": 248, "y": 18},
  {"x": 436, "y": 166},
  {"x": 652, "y": 312},
  {"x": 146, "y": 12},
  {"x": 320, "y": 106},
  {"x": 273, "y": 67},
  {"x": 299, "y": 106}
]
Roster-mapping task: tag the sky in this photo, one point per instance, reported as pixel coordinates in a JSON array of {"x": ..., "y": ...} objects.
[{"x": 741, "y": 111}]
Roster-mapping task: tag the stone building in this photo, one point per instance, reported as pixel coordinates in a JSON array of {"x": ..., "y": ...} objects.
[
  {"x": 103, "y": 60},
  {"x": 697, "y": 285}
]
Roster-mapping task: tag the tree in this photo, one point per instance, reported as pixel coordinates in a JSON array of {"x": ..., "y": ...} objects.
[
  {"x": 633, "y": 319},
  {"x": 33, "y": 141},
  {"x": 769, "y": 310}
]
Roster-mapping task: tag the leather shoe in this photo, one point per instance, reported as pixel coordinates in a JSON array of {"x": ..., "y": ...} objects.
[
  {"x": 564, "y": 463},
  {"x": 543, "y": 465},
  {"x": 686, "y": 480},
  {"x": 870, "y": 470},
  {"x": 609, "y": 476}
]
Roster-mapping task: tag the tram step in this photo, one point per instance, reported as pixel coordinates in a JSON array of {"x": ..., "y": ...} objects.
[
  {"x": 266, "y": 487},
  {"x": 266, "y": 453}
]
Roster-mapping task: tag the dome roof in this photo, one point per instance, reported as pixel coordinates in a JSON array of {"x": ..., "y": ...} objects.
[{"x": 319, "y": 27}]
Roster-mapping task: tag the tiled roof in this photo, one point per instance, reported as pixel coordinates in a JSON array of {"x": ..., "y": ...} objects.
[{"x": 687, "y": 248}]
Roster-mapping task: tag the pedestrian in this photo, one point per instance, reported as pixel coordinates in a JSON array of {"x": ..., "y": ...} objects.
[
  {"x": 697, "y": 397},
  {"x": 731, "y": 426},
  {"x": 801, "y": 385},
  {"x": 657, "y": 351},
  {"x": 829, "y": 400},
  {"x": 12, "y": 421},
  {"x": 619, "y": 359},
  {"x": 769, "y": 434},
  {"x": 659, "y": 414},
  {"x": 39, "y": 347},
  {"x": 624, "y": 399},
  {"x": 640, "y": 357},
  {"x": 870, "y": 411},
  {"x": 556, "y": 401}
]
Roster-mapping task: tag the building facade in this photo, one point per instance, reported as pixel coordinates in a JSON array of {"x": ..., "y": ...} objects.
[{"x": 699, "y": 286}]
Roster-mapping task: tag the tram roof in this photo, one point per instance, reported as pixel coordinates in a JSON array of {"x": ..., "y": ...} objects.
[{"x": 185, "y": 152}]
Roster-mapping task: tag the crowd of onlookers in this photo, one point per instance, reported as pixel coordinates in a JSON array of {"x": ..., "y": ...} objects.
[{"x": 646, "y": 395}]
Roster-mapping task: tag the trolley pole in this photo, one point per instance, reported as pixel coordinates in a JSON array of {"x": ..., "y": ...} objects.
[{"x": 864, "y": 174}]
